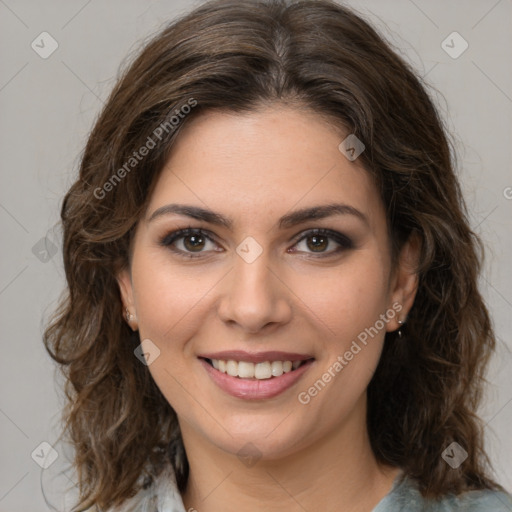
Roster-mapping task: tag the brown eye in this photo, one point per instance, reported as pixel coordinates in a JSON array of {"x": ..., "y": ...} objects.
[
  {"x": 194, "y": 242},
  {"x": 190, "y": 242},
  {"x": 320, "y": 240},
  {"x": 318, "y": 243}
]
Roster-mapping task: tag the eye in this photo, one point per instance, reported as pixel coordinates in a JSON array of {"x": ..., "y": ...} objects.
[
  {"x": 192, "y": 242},
  {"x": 319, "y": 240},
  {"x": 188, "y": 241}
]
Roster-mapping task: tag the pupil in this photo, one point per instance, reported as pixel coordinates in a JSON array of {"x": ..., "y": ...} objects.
[
  {"x": 318, "y": 240},
  {"x": 196, "y": 242}
]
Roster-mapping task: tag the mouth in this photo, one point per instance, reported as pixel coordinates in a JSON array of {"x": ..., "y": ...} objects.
[
  {"x": 255, "y": 376},
  {"x": 255, "y": 371}
]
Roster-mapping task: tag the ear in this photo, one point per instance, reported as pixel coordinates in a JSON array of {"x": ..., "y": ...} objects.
[
  {"x": 124, "y": 280},
  {"x": 404, "y": 283}
]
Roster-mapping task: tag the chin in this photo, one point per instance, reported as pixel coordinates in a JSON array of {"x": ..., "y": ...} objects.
[{"x": 266, "y": 439}]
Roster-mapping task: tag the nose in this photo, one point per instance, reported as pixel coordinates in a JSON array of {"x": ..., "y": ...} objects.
[{"x": 254, "y": 297}]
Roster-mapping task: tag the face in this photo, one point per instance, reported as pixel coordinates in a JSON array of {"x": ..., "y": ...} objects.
[{"x": 294, "y": 306}]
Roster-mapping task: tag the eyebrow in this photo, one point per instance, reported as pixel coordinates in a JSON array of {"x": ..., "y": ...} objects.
[{"x": 286, "y": 221}]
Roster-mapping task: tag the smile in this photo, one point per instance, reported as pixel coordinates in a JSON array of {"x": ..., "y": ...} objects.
[
  {"x": 260, "y": 371},
  {"x": 257, "y": 379}
]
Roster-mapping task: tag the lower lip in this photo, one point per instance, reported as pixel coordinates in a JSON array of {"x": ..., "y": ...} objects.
[{"x": 255, "y": 389}]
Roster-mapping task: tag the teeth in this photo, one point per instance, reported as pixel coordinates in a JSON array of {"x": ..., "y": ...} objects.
[
  {"x": 263, "y": 370},
  {"x": 247, "y": 370},
  {"x": 277, "y": 368},
  {"x": 232, "y": 368}
]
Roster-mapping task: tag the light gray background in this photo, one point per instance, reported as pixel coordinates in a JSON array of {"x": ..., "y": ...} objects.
[{"x": 48, "y": 106}]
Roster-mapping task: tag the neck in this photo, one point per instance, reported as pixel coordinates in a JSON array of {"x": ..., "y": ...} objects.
[{"x": 337, "y": 472}]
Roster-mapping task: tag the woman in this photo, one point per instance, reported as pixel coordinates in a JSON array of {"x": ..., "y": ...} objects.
[{"x": 273, "y": 298}]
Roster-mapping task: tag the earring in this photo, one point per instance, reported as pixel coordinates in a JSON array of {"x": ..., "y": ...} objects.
[
  {"x": 128, "y": 315},
  {"x": 399, "y": 332}
]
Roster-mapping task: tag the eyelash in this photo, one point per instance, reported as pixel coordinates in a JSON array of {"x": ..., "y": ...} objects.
[{"x": 343, "y": 241}]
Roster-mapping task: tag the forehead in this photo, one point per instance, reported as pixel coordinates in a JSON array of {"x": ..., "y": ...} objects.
[{"x": 263, "y": 163}]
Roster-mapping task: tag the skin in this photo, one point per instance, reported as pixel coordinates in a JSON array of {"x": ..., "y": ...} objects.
[{"x": 254, "y": 168}]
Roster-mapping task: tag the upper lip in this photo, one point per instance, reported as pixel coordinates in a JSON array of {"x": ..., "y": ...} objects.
[{"x": 256, "y": 357}]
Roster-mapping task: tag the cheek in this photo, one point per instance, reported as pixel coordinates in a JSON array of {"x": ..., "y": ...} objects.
[
  {"x": 171, "y": 305},
  {"x": 348, "y": 298},
  {"x": 170, "y": 300},
  {"x": 348, "y": 304}
]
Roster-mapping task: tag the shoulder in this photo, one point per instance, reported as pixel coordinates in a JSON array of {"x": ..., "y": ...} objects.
[
  {"x": 477, "y": 501},
  {"x": 405, "y": 497}
]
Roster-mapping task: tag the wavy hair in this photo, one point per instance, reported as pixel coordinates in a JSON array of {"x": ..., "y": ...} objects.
[{"x": 238, "y": 56}]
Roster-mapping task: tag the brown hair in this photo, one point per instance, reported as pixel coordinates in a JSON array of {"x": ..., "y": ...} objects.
[{"x": 237, "y": 56}]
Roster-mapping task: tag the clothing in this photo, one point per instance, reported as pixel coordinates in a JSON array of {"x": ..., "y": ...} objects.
[{"x": 404, "y": 496}]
